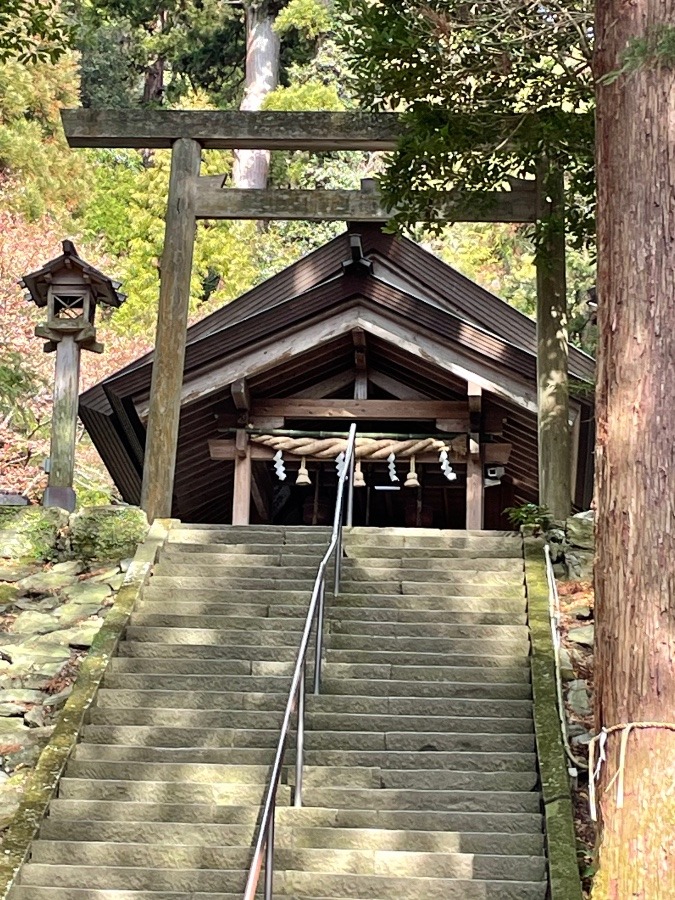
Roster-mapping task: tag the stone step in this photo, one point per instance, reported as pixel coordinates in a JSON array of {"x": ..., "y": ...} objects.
[
  {"x": 373, "y": 777},
  {"x": 178, "y": 551},
  {"x": 315, "y": 817},
  {"x": 260, "y": 588},
  {"x": 222, "y": 576},
  {"x": 278, "y": 601},
  {"x": 405, "y": 658},
  {"x": 453, "y": 643},
  {"x": 148, "y": 648},
  {"x": 458, "y": 643},
  {"x": 399, "y": 760},
  {"x": 195, "y": 773},
  {"x": 174, "y": 791},
  {"x": 392, "y": 863},
  {"x": 441, "y": 800},
  {"x": 167, "y": 736},
  {"x": 214, "y": 700},
  {"x": 180, "y": 834},
  {"x": 289, "y": 883},
  {"x": 23, "y": 892},
  {"x": 428, "y": 630},
  {"x": 188, "y": 617},
  {"x": 287, "y": 558},
  {"x": 189, "y": 635},
  {"x": 348, "y": 679},
  {"x": 260, "y": 613},
  {"x": 316, "y": 721},
  {"x": 382, "y": 887},
  {"x": 132, "y": 878}
]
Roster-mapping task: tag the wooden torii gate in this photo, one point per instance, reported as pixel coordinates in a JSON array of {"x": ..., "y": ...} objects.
[{"x": 192, "y": 197}]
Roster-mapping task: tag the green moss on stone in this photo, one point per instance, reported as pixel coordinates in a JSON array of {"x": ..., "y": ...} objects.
[
  {"x": 107, "y": 532},
  {"x": 30, "y": 532},
  {"x": 565, "y": 883}
]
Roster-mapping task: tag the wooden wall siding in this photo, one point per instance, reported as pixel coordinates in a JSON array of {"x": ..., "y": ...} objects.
[{"x": 102, "y": 430}]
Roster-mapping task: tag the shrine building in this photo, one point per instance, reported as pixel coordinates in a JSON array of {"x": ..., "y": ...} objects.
[{"x": 438, "y": 373}]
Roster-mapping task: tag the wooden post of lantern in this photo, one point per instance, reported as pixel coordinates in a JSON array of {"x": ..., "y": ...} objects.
[{"x": 70, "y": 289}]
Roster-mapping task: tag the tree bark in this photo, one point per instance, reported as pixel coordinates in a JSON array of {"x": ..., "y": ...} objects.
[
  {"x": 251, "y": 167},
  {"x": 635, "y": 454}
]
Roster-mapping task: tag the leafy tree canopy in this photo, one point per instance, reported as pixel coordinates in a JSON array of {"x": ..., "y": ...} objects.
[
  {"x": 487, "y": 89},
  {"x": 33, "y": 30}
]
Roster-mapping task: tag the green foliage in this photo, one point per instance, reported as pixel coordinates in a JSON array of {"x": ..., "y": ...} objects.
[
  {"x": 111, "y": 60},
  {"x": 526, "y": 64},
  {"x": 40, "y": 172},
  {"x": 311, "y": 95},
  {"x": 529, "y": 514},
  {"x": 310, "y": 17},
  {"x": 17, "y": 381},
  {"x": 33, "y": 31}
]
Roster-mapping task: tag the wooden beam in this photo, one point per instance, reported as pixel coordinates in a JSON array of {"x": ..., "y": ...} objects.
[
  {"x": 421, "y": 410},
  {"x": 360, "y": 364},
  {"x": 174, "y": 297},
  {"x": 260, "y": 493},
  {"x": 241, "y": 395},
  {"x": 241, "y": 495},
  {"x": 265, "y": 356},
  {"x": 475, "y": 489},
  {"x": 475, "y": 395},
  {"x": 552, "y": 349},
  {"x": 394, "y": 387},
  {"x": 326, "y": 387},
  {"x": 462, "y": 365},
  {"x": 232, "y": 130},
  {"x": 224, "y": 449},
  {"x": 215, "y": 202}
]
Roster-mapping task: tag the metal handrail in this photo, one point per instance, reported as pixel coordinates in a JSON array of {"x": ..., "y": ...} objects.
[{"x": 296, "y": 696}]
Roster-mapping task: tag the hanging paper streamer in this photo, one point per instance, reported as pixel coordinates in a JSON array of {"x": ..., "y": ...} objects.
[
  {"x": 446, "y": 468},
  {"x": 359, "y": 480},
  {"x": 340, "y": 464},
  {"x": 391, "y": 459},
  {"x": 279, "y": 466},
  {"x": 412, "y": 481},
  {"x": 303, "y": 478}
]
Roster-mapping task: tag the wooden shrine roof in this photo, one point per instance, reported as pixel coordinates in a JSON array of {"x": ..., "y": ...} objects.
[{"x": 425, "y": 325}]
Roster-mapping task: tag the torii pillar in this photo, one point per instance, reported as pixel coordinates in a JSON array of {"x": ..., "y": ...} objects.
[
  {"x": 174, "y": 300},
  {"x": 552, "y": 346}
]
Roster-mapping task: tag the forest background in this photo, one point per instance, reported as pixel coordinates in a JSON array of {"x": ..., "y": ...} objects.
[{"x": 178, "y": 54}]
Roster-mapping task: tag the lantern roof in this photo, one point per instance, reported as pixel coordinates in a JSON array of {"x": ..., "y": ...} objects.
[{"x": 104, "y": 289}]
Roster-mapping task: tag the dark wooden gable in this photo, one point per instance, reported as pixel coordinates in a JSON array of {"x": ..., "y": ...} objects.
[{"x": 425, "y": 324}]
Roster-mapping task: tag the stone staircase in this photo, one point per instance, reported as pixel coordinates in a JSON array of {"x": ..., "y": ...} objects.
[{"x": 421, "y": 778}]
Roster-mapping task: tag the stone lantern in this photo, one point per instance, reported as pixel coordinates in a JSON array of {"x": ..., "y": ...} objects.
[{"x": 71, "y": 290}]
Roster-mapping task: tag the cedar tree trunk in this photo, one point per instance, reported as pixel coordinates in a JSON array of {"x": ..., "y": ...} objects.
[
  {"x": 262, "y": 76},
  {"x": 635, "y": 566}
]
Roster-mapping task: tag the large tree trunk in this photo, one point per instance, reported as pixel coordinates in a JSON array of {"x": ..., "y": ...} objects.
[
  {"x": 635, "y": 572},
  {"x": 262, "y": 76}
]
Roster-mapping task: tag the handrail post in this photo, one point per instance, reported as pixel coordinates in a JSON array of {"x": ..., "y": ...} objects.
[
  {"x": 269, "y": 856},
  {"x": 338, "y": 564},
  {"x": 319, "y": 636},
  {"x": 300, "y": 742}
]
